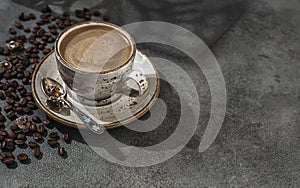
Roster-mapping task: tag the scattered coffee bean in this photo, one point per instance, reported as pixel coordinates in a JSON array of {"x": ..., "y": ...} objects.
[
  {"x": 66, "y": 137},
  {"x": 2, "y": 96},
  {"x": 2, "y": 118},
  {"x": 37, "y": 136},
  {"x": 27, "y": 29},
  {"x": 106, "y": 18},
  {"x": 33, "y": 144},
  {"x": 9, "y": 161},
  {"x": 46, "y": 122},
  {"x": 21, "y": 136},
  {"x": 12, "y": 31},
  {"x": 53, "y": 135},
  {"x": 41, "y": 129},
  {"x": 65, "y": 14},
  {"x": 52, "y": 142},
  {"x": 3, "y": 144},
  {"x": 14, "y": 127},
  {"x": 12, "y": 135},
  {"x": 32, "y": 16},
  {"x": 36, "y": 119},
  {"x": 1, "y": 138},
  {"x": 36, "y": 152},
  {"x": 18, "y": 24},
  {"x": 8, "y": 108},
  {"x": 33, "y": 127},
  {"x": 11, "y": 115},
  {"x": 61, "y": 151},
  {"x": 20, "y": 142},
  {"x": 22, "y": 157},
  {"x": 10, "y": 101},
  {"x": 3, "y": 133},
  {"x": 9, "y": 140},
  {"x": 96, "y": 13},
  {"x": 10, "y": 145}
]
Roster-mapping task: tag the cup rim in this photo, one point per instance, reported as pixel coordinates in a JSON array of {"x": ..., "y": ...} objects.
[{"x": 88, "y": 23}]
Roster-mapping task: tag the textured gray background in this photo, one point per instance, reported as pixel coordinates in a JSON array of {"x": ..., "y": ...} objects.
[{"x": 257, "y": 46}]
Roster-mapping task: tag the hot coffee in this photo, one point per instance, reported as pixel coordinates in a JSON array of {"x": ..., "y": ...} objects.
[{"x": 95, "y": 48}]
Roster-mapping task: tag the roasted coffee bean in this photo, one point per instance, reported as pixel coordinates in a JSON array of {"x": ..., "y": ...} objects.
[
  {"x": 36, "y": 152},
  {"x": 33, "y": 144},
  {"x": 106, "y": 18},
  {"x": 51, "y": 40},
  {"x": 19, "y": 110},
  {"x": 22, "y": 157},
  {"x": 51, "y": 26},
  {"x": 20, "y": 142},
  {"x": 32, "y": 16},
  {"x": 40, "y": 32},
  {"x": 53, "y": 31},
  {"x": 14, "y": 127},
  {"x": 21, "y": 136},
  {"x": 9, "y": 140},
  {"x": 10, "y": 101},
  {"x": 2, "y": 125},
  {"x": 23, "y": 101},
  {"x": 52, "y": 142},
  {"x": 46, "y": 9},
  {"x": 36, "y": 119},
  {"x": 14, "y": 96},
  {"x": 9, "y": 161},
  {"x": 25, "y": 81},
  {"x": 3, "y": 133},
  {"x": 2, "y": 118},
  {"x": 18, "y": 24},
  {"x": 27, "y": 29},
  {"x": 66, "y": 137},
  {"x": 46, "y": 122},
  {"x": 27, "y": 110},
  {"x": 33, "y": 127},
  {"x": 41, "y": 129},
  {"x": 12, "y": 135},
  {"x": 2, "y": 138},
  {"x": 2, "y": 96},
  {"x": 12, "y": 31},
  {"x": 46, "y": 51},
  {"x": 65, "y": 14},
  {"x": 11, "y": 115},
  {"x": 37, "y": 136},
  {"x": 26, "y": 18},
  {"x": 61, "y": 151},
  {"x": 96, "y": 13},
  {"x": 18, "y": 131},
  {"x": 10, "y": 145},
  {"x": 52, "y": 18},
  {"x": 3, "y": 144},
  {"x": 8, "y": 108},
  {"x": 53, "y": 135},
  {"x": 25, "y": 131}
]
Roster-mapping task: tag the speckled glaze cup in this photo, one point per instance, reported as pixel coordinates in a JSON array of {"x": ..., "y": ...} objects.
[{"x": 100, "y": 87}]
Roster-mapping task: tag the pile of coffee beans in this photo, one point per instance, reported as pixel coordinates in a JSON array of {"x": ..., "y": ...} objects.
[{"x": 18, "y": 58}]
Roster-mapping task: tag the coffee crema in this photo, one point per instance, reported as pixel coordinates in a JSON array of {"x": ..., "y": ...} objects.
[{"x": 95, "y": 49}]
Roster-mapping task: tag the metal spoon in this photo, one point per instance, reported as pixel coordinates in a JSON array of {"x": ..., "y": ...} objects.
[{"x": 57, "y": 102}]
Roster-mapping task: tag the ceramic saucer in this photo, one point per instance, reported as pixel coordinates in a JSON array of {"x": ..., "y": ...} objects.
[{"x": 122, "y": 111}]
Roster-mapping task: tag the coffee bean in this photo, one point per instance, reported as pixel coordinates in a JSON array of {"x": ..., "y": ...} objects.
[
  {"x": 61, "y": 151},
  {"x": 46, "y": 122},
  {"x": 79, "y": 13},
  {"x": 65, "y": 14},
  {"x": 9, "y": 140},
  {"x": 52, "y": 18},
  {"x": 18, "y": 24},
  {"x": 46, "y": 9},
  {"x": 2, "y": 118},
  {"x": 33, "y": 144},
  {"x": 41, "y": 129},
  {"x": 23, "y": 101},
  {"x": 36, "y": 119},
  {"x": 21, "y": 136},
  {"x": 18, "y": 131},
  {"x": 96, "y": 13},
  {"x": 14, "y": 127},
  {"x": 3, "y": 144},
  {"x": 8, "y": 108},
  {"x": 33, "y": 127},
  {"x": 3, "y": 133},
  {"x": 9, "y": 161},
  {"x": 36, "y": 152},
  {"x": 22, "y": 157},
  {"x": 106, "y": 18},
  {"x": 10, "y": 101},
  {"x": 37, "y": 136},
  {"x": 2, "y": 138},
  {"x": 27, "y": 29},
  {"x": 51, "y": 40},
  {"x": 32, "y": 16},
  {"x": 53, "y": 135},
  {"x": 12, "y": 31},
  {"x": 46, "y": 51},
  {"x": 66, "y": 137},
  {"x": 10, "y": 145},
  {"x": 12, "y": 135},
  {"x": 20, "y": 142},
  {"x": 53, "y": 31},
  {"x": 52, "y": 142},
  {"x": 11, "y": 115},
  {"x": 2, "y": 96}
]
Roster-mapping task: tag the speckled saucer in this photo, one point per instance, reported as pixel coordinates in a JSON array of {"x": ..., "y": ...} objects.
[{"x": 122, "y": 111}]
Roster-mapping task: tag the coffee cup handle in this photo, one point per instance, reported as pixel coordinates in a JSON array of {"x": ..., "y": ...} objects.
[{"x": 139, "y": 79}]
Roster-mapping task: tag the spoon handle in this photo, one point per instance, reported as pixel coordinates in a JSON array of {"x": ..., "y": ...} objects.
[{"x": 87, "y": 120}]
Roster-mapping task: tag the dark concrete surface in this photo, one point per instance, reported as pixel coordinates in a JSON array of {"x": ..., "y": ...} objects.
[{"x": 257, "y": 46}]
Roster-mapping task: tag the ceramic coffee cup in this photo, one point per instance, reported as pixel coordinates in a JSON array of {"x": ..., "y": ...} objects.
[{"x": 95, "y": 62}]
